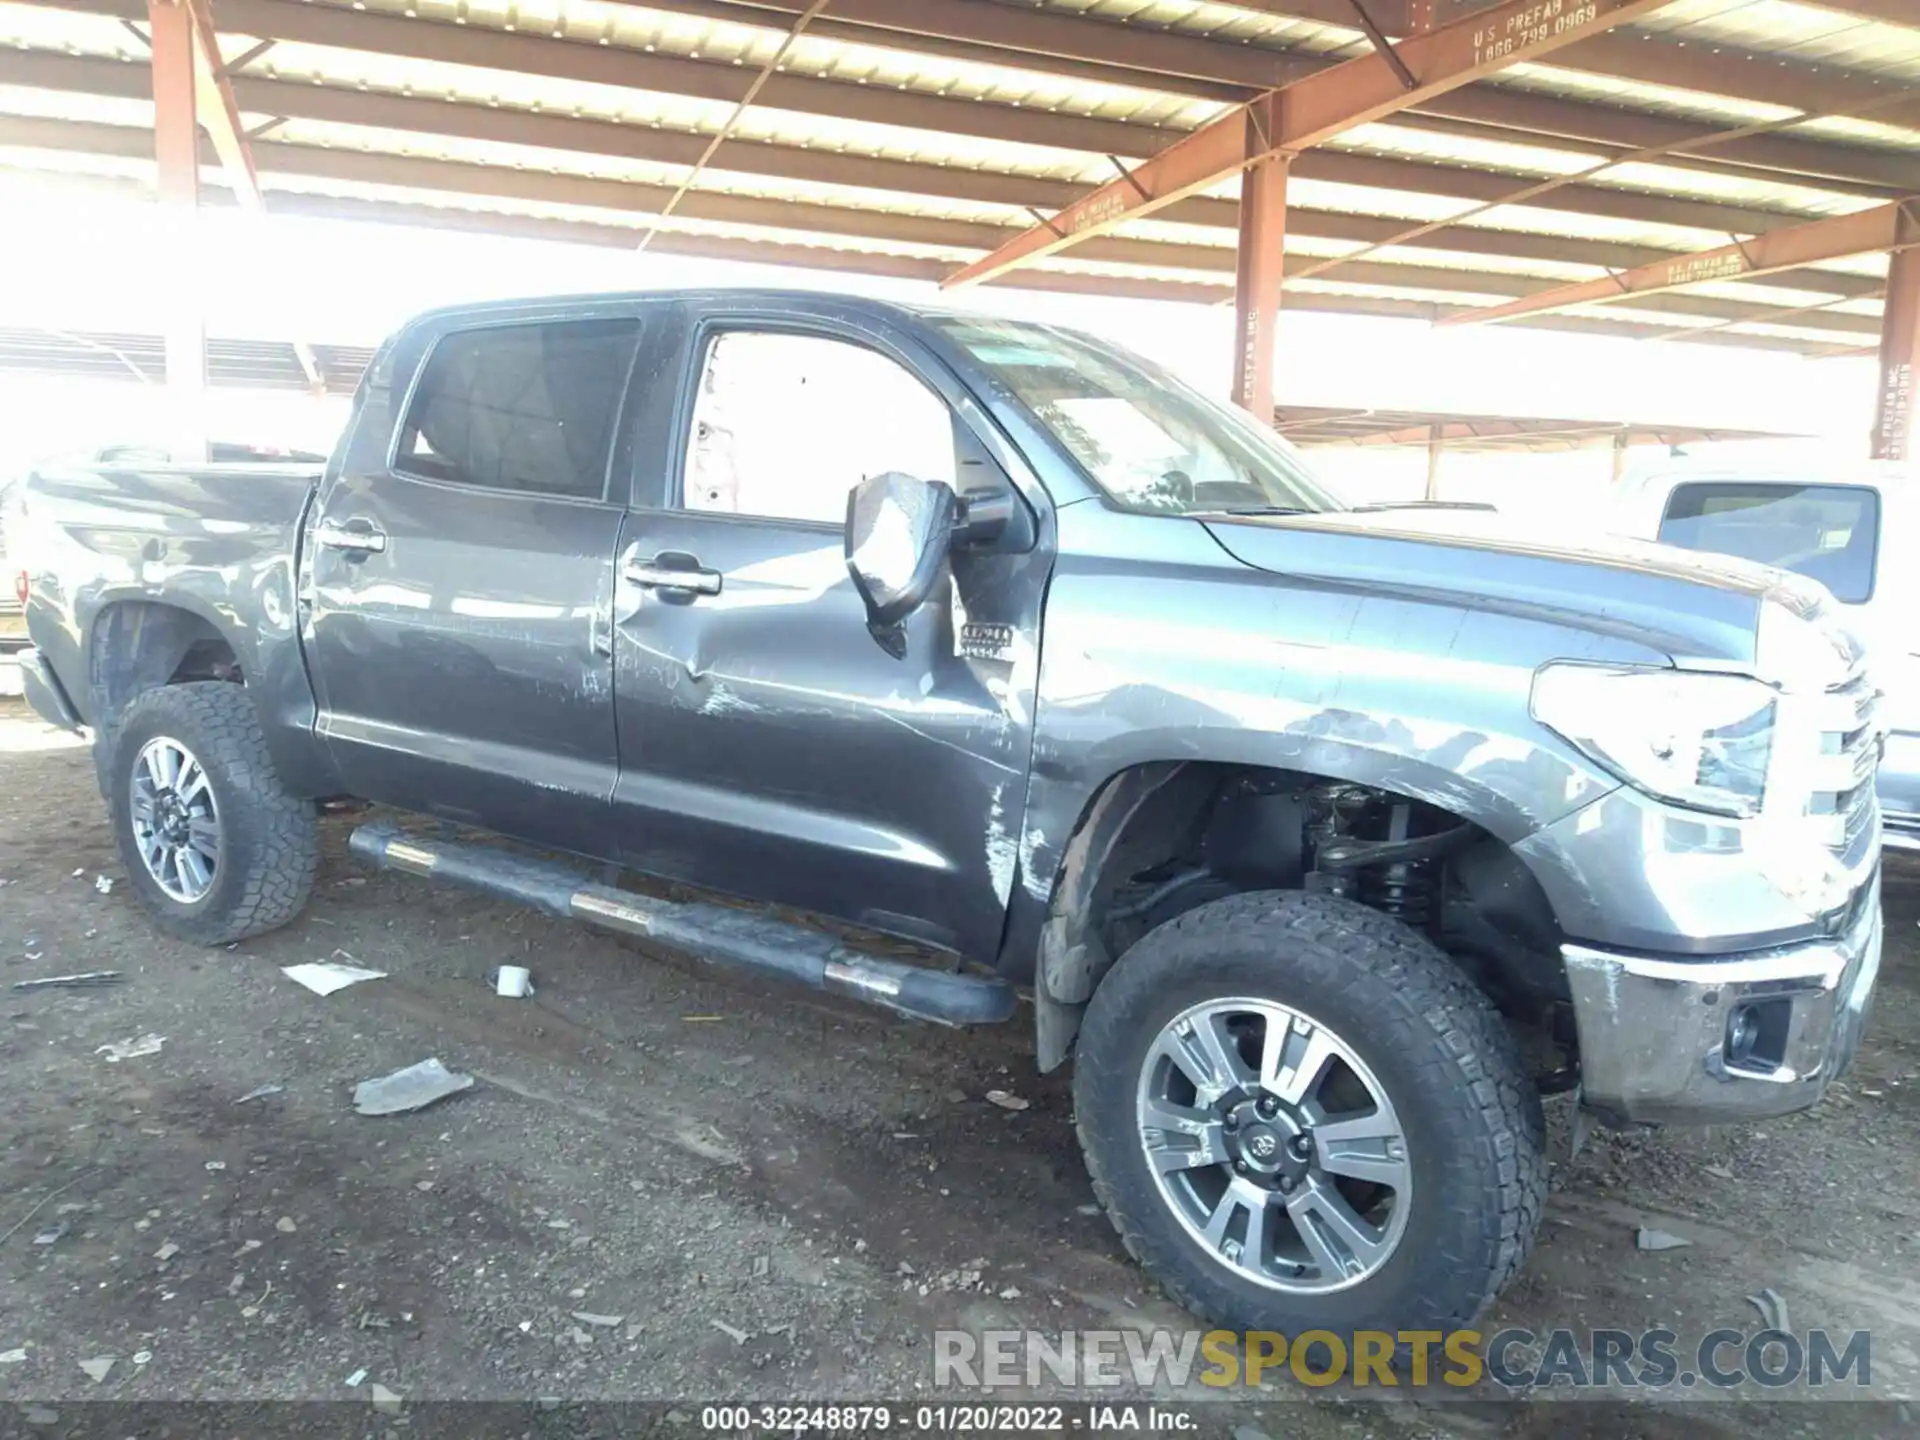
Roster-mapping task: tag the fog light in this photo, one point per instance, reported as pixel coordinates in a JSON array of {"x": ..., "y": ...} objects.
[{"x": 1743, "y": 1032}]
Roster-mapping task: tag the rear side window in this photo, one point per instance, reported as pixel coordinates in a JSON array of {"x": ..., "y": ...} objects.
[
  {"x": 1830, "y": 533},
  {"x": 526, "y": 408}
]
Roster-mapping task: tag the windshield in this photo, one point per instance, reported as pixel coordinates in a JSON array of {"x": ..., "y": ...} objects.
[
  {"x": 1151, "y": 443},
  {"x": 1827, "y": 532}
]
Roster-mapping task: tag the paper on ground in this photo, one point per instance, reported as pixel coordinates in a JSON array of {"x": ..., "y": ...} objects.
[{"x": 323, "y": 977}]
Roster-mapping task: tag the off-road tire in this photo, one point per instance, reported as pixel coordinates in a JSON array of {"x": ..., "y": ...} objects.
[
  {"x": 270, "y": 837},
  {"x": 1472, "y": 1119}
]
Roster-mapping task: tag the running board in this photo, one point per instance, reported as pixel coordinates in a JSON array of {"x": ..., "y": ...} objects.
[{"x": 739, "y": 939}]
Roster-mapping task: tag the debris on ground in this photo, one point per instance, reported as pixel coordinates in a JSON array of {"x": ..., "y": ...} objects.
[
  {"x": 514, "y": 982},
  {"x": 602, "y": 1322},
  {"x": 1772, "y": 1307},
  {"x": 148, "y": 1044},
  {"x": 98, "y": 1368},
  {"x": 142, "y": 1357},
  {"x": 285, "y": 1225},
  {"x": 701, "y": 1019},
  {"x": 323, "y": 977},
  {"x": 1006, "y": 1101},
  {"x": 51, "y": 1235},
  {"x": 83, "y": 980},
  {"x": 166, "y": 1252},
  {"x": 384, "y": 1400},
  {"x": 732, "y": 1332},
  {"x": 1647, "y": 1239},
  {"x": 260, "y": 1093},
  {"x": 103, "y": 883},
  {"x": 1720, "y": 1171},
  {"x": 353, "y": 1380},
  {"x": 413, "y": 1088},
  {"x": 16, "y": 1356},
  {"x": 216, "y": 1165}
]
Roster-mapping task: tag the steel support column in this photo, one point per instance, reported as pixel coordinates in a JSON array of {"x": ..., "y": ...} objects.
[
  {"x": 1436, "y": 442},
  {"x": 1260, "y": 270},
  {"x": 1893, "y": 420},
  {"x": 176, "y": 142}
]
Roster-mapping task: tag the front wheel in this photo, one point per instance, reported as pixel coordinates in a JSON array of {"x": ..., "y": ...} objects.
[
  {"x": 216, "y": 847},
  {"x": 1300, "y": 1115}
]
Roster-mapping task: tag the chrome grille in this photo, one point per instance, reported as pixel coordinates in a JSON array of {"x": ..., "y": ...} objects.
[{"x": 1842, "y": 784}]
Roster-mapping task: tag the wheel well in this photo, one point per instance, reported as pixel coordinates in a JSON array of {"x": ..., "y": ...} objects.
[
  {"x": 138, "y": 646},
  {"x": 1161, "y": 839}
]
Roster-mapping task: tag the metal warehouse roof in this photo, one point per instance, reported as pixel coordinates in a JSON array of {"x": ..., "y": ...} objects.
[
  {"x": 1318, "y": 425},
  {"x": 910, "y": 137}
]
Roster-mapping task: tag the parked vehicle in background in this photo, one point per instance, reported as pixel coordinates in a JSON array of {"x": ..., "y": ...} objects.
[
  {"x": 1857, "y": 532},
  {"x": 996, "y": 638},
  {"x": 13, "y": 602}
]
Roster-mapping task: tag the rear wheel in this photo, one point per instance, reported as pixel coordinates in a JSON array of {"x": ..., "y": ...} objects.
[
  {"x": 216, "y": 848},
  {"x": 1300, "y": 1115}
]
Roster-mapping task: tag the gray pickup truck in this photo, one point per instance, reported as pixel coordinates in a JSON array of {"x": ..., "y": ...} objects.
[{"x": 1327, "y": 839}]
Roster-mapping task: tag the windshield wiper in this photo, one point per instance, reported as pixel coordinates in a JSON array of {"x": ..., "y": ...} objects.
[
  {"x": 1422, "y": 505},
  {"x": 1258, "y": 510}
]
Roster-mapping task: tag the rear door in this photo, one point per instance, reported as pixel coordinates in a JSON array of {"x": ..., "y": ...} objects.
[
  {"x": 457, "y": 576},
  {"x": 770, "y": 746}
]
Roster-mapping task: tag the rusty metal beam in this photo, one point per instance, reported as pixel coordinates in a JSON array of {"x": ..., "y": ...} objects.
[
  {"x": 429, "y": 115},
  {"x": 1899, "y": 390},
  {"x": 218, "y": 114},
  {"x": 1887, "y": 227},
  {"x": 1260, "y": 269},
  {"x": 176, "y": 152},
  {"x": 1317, "y": 108},
  {"x": 280, "y": 160},
  {"x": 999, "y": 34}
]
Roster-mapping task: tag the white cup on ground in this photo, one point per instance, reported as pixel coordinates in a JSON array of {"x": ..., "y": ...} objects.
[{"x": 513, "y": 981}]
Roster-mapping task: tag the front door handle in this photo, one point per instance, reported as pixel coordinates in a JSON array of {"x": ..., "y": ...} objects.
[
  {"x": 670, "y": 570},
  {"x": 355, "y": 537}
]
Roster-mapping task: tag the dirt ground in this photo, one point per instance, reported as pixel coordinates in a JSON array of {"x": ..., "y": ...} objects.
[{"x": 667, "y": 1186}]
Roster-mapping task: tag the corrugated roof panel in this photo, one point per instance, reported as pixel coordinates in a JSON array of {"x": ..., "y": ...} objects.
[
  {"x": 751, "y": 46},
  {"x": 1637, "y": 95},
  {"x": 1359, "y": 200},
  {"x": 1861, "y": 132},
  {"x": 1219, "y": 22},
  {"x": 1445, "y": 147},
  {"x": 1662, "y": 179},
  {"x": 66, "y": 31},
  {"x": 1802, "y": 32},
  {"x": 1333, "y": 285},
  {"x": 66, "y": 105},
  {"x": 547, "y": 95}
]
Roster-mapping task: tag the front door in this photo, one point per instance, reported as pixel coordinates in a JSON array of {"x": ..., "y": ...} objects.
[
  {"x": 458, "y": 584},
  {"x": 770, "y": 746}
]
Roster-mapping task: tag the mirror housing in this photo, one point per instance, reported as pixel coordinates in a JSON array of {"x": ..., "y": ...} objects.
[{"x": 898, "y": 531}]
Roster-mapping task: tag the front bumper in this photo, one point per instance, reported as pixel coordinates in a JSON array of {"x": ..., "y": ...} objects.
[
  {"x": 1655, "y": 1033},
  {"x": 43, "y": 692}
]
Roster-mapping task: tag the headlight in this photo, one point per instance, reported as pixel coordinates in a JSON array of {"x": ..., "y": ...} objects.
[{"x": 1696, "y": 739}]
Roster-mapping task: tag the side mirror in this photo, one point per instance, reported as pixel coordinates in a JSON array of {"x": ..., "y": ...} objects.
[{"x": 898, "y": 531}]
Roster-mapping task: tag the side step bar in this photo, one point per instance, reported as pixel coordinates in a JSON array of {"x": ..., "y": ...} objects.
[{"x": 741, "y": 939}]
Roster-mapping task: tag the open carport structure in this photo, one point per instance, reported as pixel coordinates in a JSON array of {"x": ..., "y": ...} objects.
[{"x": 1726, "y": 171}]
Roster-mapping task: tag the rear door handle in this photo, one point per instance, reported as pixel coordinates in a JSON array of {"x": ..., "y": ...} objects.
[
  {"x": 355, "y": 537},
  {"x": 670, "y": 570}
]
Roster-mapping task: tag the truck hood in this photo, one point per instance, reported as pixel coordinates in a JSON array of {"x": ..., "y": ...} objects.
[{"x": 1687, "y": 605}]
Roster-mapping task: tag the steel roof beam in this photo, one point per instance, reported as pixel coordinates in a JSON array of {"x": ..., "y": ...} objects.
[
  {"x": 1888, "y": 227},
  {"x": 930, "y": 24},
  {"x": 431, "y": 116},
  {"x": 593, "y": 137},
  {"x": 1309, "y": 112},
  {"x": 449, "y": 178}
]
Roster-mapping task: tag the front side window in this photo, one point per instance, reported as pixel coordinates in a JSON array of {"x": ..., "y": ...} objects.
[
  {"x": 785, "y": 425},
  {"x": 526, "y": 408},
  {"x": 1149, "y": 442},
  {"x": 1830, "y": 533}
]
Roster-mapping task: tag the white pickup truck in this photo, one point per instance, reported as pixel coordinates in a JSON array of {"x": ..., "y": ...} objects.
[{"x": 1856, "y": 531}]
